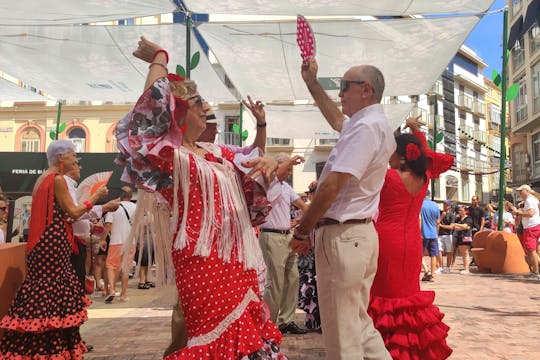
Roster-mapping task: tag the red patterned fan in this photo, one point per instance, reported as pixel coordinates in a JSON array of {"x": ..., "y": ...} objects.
[
  {"x": 305, "y": 38},
  {"x": 91, "y": 184}
]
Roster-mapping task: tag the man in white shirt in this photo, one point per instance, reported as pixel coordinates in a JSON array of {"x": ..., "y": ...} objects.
[
  {"x": 281, "y": 295},
  {"x": 118, "y": 225},
  {"x": 530, "y": 218},
  {"x": 346, "y": 243},
  {"x": 3, "y": 220}
]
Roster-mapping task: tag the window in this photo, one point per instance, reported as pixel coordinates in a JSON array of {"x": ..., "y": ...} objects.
[
  {"x": 77, "y": 136},
  {"x": 495, "y": 115},
  {"x": 465, "y": 194},
  {"x": 30, "y": 141},
  {"x": 536, "y": 148},
  {"x": 466, "y": 64},
  {"x": 521, "y": 101},
  {"x": 451, "y": 187},
  {"x": 534, "y": 37},
  {"x": 278, "y": 142},
  {"x": 518, "y": 55},
  {"x": 519, "y": 164},
  {"x": 478, "y": 190},
  {"x": 536, "y": 87},
  {"x": 230, "y": 138},
  {"x": 327, "y": 141},
  {"x": 319, "y": 168}
]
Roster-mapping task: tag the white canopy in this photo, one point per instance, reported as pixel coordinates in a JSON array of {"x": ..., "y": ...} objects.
[
  {"x": 307, "y": 122},
  {"x": 263, "y": 59},
  {"x": 338, "y": 7},
  {"x": 95, "y": 62},
  {"x": 58, "y": 12},
  {"x": 12, "y": 92}
]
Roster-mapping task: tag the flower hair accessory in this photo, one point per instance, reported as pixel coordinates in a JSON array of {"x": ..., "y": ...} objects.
[{"x": 412, "y": 152}]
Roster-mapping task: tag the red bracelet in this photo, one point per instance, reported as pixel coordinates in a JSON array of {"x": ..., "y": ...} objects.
[
  {"x": 161, "y": 51},
  {"x": 88, "y": 205}
]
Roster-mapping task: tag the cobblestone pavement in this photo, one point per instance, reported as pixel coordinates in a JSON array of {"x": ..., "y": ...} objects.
[{"x": 491, "y": 317}]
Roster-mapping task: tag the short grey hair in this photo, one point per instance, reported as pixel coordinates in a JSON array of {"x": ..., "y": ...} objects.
[
  {"x": 281, "y": 157},
  {"x": 376, "y": 79},
  {"x": 58, "y": 147}
]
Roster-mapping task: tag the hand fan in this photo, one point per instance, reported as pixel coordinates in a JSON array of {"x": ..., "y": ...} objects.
[
  {"x": 305, "y": 38},
  {"x": 91, "y": 184}
]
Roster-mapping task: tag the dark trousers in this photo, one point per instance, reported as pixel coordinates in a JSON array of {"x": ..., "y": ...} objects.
[{"x": 79, "y": 263}]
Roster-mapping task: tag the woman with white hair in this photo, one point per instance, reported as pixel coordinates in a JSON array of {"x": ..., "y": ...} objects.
[{"x": 44, "y": 318}]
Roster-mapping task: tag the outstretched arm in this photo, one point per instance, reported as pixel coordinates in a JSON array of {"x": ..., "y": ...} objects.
[
  {"x": 330, "y": 111},
  {"x": 158, "y": 63}
]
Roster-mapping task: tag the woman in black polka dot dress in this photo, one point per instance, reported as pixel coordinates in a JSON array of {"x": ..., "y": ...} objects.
[{"x": 44, "y": 318}]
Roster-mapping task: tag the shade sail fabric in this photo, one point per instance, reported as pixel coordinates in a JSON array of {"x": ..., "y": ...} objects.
[
  {"x": 85, "y": 63},
  {"x": 307, "y": 122},
  {"x": 58, "y": 12},
  {"x": 338, "y": 7},
  {"x": 11, "y": 92},
  {"x": 263, "y": 59}
]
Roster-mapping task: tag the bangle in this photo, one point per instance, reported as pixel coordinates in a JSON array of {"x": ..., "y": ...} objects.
[
  {"x": 263, "y": 125},
  {"x": 161, "y": 51},
  {"x": 298, "y": 235},
  {"x": 88, "y": 205},
  {"x": 160, "y": 64}
]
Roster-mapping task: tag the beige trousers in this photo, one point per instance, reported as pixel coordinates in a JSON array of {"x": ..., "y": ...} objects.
[
  {"x": 281, "y": 293},
  {"x": 346, "y": 262}
]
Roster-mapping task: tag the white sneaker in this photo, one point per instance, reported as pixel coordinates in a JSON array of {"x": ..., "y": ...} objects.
[
  {"x": 464, "y": 272},
  {"x": 439, "y": 271}
]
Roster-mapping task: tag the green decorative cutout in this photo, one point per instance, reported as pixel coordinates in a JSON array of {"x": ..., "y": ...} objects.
[
  {"x": 195, "y": 60},
  {"x": 430, "y": 143},
  {"x": 180, "y": 71},
  {"x": 512, "y": 93},
  {"x": 496, "y": 77},
  {"x": 52, "y": 135},
  {"x": 236, "y": 129},
  {"x": 439, "y": 137},
  {"x": 62, "y": 127},
  {"x": 244, "y": 135}
]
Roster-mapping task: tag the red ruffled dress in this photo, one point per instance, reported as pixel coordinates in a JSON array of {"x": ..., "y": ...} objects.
[
  {"x": 44, "y": 318},
  {"x": 410, "y": 325}
]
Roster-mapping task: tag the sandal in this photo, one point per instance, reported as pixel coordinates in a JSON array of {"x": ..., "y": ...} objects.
[
  {"x": 109, "y": 298},
  {"x": 143, "y": 286},
  {"x": 150, "y": 284}
]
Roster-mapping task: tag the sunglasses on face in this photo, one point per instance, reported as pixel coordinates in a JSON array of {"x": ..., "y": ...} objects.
[
  {"x": 344, "y": 84},
  {"x": 197, "y": 99},
  {"x": 3, "y": 208}
]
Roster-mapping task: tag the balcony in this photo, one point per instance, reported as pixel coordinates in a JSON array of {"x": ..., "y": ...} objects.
[
  {"x": 518, "y": 58},
  {"x": 230, "y": 138},
  {"x": 466, "y": 163},
  {"x": 439, "y": 121},
  {"x": 536, "y": 104},
  {"x": 481, "y": 136},
  {"x": 325, "y": 144},
  {"x": 279, "y": 144},
  {"x": 521, "y": 114},
  {"x": 465, "y": 101},
  {"x": 466, "y": 132},
  {"x": 479, "y": 108},
  {"x": 424, "y": 118},
  {"x": 437, "y": 88}
]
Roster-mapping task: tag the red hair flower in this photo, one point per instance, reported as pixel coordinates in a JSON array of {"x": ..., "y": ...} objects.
[{"x": 412, "y": 152}]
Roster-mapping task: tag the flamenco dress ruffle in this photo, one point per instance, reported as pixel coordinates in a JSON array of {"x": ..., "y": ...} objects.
[
  {"x": 44, "y": 318},
  {"x": 411, "y": 327}
]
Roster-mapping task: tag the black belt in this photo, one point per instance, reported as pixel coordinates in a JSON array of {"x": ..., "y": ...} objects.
[
  {"x": 283, "y": 232},
  {"x": 328, "y": 221}
]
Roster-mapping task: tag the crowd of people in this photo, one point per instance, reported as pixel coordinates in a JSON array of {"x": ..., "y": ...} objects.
[{"x": 242, "y": 249}]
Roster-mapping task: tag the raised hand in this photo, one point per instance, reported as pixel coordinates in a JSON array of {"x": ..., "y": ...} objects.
[
  {"x": 146, "y": 50},
  {"x": 412, "y": 123},
  {"x": 309, "y": 71},
  {"x": 256, "y": 108}
]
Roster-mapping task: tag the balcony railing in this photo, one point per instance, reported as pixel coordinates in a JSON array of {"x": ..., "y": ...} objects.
[
  {"x": 536, "y": 104},
  {"x": 278, "y": 142},
  {"x": 424, "y": 119},
  {"x": 479, "y": 108},
  {"x": 437, "y": 88},
  {"x": 466, "y": 131},
  {"x": 480, "y": 136},
  {"x": 465, "y": 101},
  {"x": 326, "y": 142},
  {"x": 231, "y": 138}
]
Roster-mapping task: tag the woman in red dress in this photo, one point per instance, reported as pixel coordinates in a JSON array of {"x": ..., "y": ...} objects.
[
  {"x": 44, "y": 318},
  {"x": 215, "y": 252},
  {"x": 405, "y": 316}
]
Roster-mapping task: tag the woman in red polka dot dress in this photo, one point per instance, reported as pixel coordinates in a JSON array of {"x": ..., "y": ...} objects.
[
  {"x": 44, "y": 318},
  {"x": 215, "y": 251}
]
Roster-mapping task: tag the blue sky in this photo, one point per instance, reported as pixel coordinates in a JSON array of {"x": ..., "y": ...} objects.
[{"x": 486, "y": 39}]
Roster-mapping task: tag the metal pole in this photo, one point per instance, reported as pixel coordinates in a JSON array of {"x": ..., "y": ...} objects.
[
  {"x": 240, "y": 122},
  {"x": 502, "y": 182},
  {"x": 58, "y": 114},
  {"x": 435, "y": 113},
  {"x": 189, "y": 24}
]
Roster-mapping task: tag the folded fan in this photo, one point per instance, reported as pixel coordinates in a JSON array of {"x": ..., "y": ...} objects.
[
  {"x": 305, "y": 38},
  {"x": 91, "y": 184}
]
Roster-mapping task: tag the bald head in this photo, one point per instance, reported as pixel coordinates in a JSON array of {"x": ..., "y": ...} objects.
[{"x": 127, "y": 193}]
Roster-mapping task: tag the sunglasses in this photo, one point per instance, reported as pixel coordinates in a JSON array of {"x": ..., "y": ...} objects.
[
  {"x": 3, "y": 208},
  {"x": 198, "y": 100},
  {"x": 344, "y": 84}
]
